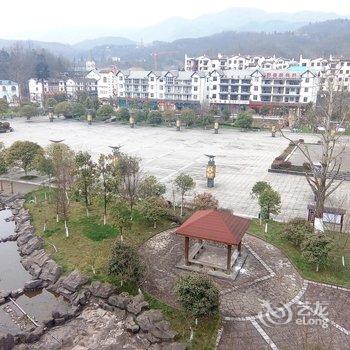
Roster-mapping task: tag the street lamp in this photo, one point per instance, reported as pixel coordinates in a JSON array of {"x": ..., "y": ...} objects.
[
  {"x": 216, "y": 127},
  {"x": 178, "y": 122},
  {"x": 89, "y": 116},
  {"x": 116, "y": 150},
  {"x": 50, "y": 114},
  {"x": 132, "y": 121},
  {"x": 210, "y": 171},
  {"x": 216, "y": 124}
]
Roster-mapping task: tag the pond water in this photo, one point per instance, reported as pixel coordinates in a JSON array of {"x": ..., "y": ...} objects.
[
  {"x": 12, "y": 273},
  {"x": 38, "y": 305},
  {"x": 6, "y": 228}
]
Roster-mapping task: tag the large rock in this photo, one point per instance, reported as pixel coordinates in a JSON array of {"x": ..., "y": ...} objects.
[
  {"x": 153, "y": 322},
  {"x": 74, "y": 281},
  {"x": 80, "y": 298},
  {"x": 50, "y": 271},
  {"x": 120, "y": 301},
  {"x": 34, "y": 243},
  {"x": 24, "y": 238},
  {"x": 7, "y": 341},
  {"x": 101, "y": 290},
  {"x": 131, "y": 325},
  {"x": 137, "y": 304},
  {"x": 33, "y": 285}
]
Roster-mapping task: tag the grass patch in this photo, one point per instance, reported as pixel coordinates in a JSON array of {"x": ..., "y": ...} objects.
[
  {"x": 88, "y": 249},
  {"x": 96, "y": 231},
  {"x": 333, "y": 273}
]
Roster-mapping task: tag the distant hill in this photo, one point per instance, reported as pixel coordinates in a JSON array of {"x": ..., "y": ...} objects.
[
  {"x": 315, "y": 39},
  {"x": 231, "y": 19},
  {"x": 104, "y": 41}
]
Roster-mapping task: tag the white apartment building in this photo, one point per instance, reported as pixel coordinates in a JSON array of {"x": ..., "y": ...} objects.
[
  {"x": 165, "y": 85},
  {"x": 51, "y": 87},
  {"x": 9, "y": 90},
  {"x": 107, "y": 83},
  {"x": 258, "y": 87},
  {"x": 236, "y": 62},
  {"x": 74, "y": 86}
]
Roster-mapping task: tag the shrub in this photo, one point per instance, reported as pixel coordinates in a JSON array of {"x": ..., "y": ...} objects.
[
  {"x": 204, "y": 200},
  {"x": 154, "y": 118},
  {"x": 125, "y": 264},
  {"x": 123, "y": 114},
  {"x": 104, "y": 112},
  {"x": 260, "y": 187},
  {"x": 28, "y": 111},
  {"x": 315, "y": 249},
  {"x": 244, "y": 120},
  {"x": 197, "y": 295},
  {"x": 296, "y": 230}
]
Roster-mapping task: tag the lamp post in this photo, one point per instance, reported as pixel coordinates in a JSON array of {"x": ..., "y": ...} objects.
[
  {"x": 210, "y": 171},
  {"x": 89, "y": 116},
  {"x": 116, "y": 150},
  {"x": 178, "y": 122},
  {"x": 50, "y": 114},
  {"x": 216, "y": 127},
  {"x": 132, "y": 121},
  {"x": 273, "y": 131}
]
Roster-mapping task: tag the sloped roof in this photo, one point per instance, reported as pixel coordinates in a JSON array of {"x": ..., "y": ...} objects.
[{"x": 215, "y": 225}]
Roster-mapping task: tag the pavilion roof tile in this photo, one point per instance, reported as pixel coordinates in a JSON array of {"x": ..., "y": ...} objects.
[{"x": 215, "y": 225}]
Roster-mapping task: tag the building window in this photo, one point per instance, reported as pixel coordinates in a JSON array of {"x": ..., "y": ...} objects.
[
  {"x": 4, "y": 88},
  {"x": 256, "y": 88},
  {"x": 214, "y": 95},
  {"x": 152, "y": 78},
  {"x": 305, "y": 99},
  {"x": 255, "y": 97},
  {"x": 195, "y": 88},
  {"x": 215, "y": 79},
  {"x": 306, "y": 89},
  {"x": 104, "y": 79},
  {"x": 195, "y": 80},
  {"x": 307, "y": 80}
]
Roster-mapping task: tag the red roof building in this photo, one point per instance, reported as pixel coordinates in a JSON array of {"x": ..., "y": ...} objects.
[{"x": 216, "y": 226}]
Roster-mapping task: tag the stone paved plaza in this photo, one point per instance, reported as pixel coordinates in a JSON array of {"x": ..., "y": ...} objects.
[
  {"x": 303, "y": 314},
  {"x": 242, "y": 157}
]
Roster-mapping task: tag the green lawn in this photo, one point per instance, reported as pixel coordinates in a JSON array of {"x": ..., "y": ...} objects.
[
  {"x": 88, "y": 249},
  {"x": 334, "y": 273}
]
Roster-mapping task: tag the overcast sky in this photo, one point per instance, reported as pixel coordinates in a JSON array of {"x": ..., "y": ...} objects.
[{"x": 43, "y": 19}]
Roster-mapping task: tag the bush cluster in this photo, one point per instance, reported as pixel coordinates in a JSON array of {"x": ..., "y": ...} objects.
[
  {"x": 124, "y": 263},
  {"x": 197, "y": 295},
  {"x": 296, "y": 230}
]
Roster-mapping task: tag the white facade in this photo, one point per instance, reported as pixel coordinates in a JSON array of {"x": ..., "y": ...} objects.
[
  {"x": 107, "y": 84},
  {"x": 9, "y": 90},
  {"x": 244, "y": 87},
  {"x": 236, "y": 62}
]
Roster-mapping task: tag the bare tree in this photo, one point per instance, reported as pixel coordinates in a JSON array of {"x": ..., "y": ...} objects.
[
  {"x": 130, "y": 174},
  {"x": 323, "y": 171},
  {"x": 64, "y": 168}
]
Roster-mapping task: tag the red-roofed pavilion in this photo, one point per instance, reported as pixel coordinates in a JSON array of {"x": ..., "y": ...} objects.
[{"x": 217, "y": 226}]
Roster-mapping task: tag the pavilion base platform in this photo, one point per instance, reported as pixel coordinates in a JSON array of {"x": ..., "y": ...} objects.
[{"x": 212, "y": 260}]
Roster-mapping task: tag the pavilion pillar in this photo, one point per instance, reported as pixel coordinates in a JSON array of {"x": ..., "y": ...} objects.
[
  {"x": 187, "y": 249},
  {"x": 229, "y": 253},
  {"x": 239, "y": 248}
]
